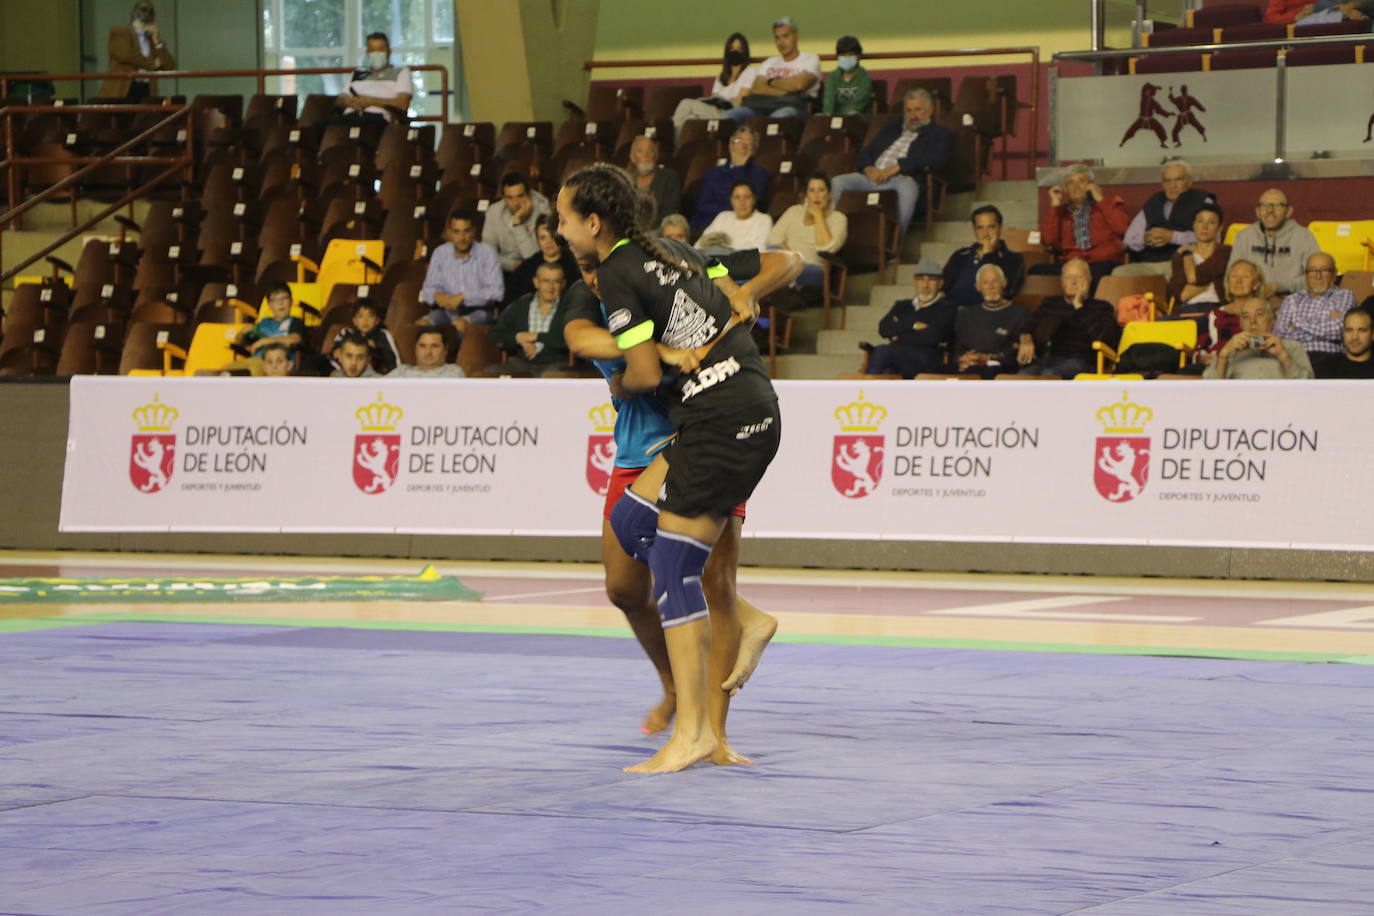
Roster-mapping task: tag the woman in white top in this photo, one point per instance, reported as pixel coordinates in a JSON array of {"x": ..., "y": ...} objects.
[
  {"x": 740, "y": 228},
  {"x": 811, "y": 227},
  {"x": 736, "y": 78}
]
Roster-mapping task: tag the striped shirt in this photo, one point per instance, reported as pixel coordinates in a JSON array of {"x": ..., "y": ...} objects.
[
  {"x": 897, "y": 150},
  {"x": 539, "y": 322}
]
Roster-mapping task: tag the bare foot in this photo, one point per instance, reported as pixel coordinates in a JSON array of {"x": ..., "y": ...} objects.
[
  {"x": 677, "y": 754},
  {"x": 753, "y": 639},
  {"x": 724, "y": 755},
  {"x": 661, "y": 716}
]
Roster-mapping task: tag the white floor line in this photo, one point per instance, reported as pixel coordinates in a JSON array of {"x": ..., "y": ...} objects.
[{"x": 1044, "y": 608}]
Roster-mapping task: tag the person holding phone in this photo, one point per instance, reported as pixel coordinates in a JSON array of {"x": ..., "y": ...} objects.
[{"x": 136, "y": 50}]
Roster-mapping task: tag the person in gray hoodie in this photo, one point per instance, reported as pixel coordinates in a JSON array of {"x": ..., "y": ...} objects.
[{"x": 1276, "y": 243}]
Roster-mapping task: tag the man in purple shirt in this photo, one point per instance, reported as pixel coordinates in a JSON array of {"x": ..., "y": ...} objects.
[
  {"x": 464, "y": 280},
  {"x": 1314, "y": 316}
]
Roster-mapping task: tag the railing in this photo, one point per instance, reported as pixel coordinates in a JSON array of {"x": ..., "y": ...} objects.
[
  {"x": 261, "y": 75},
  {"x": 1281, "y": 72},
  {"x": 1033, "y": 53},
  {"x": 174, "y": 164}
]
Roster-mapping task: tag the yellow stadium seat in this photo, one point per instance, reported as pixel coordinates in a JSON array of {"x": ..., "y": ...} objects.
[
  {"x": 342, "y": 263},
  {"x": 1181, "y": 335},
  {"x": 210, "y": 345},
  {"x": 1104, "y": 377},
  {"x": 1232, "y": 231},
  {"x": 1344, "y": 242}
]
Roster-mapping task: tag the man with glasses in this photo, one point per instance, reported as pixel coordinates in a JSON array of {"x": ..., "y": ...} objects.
[
  {"x": 1164, "y": 223},
  {"x": 1276, "y": 243},
  {"x": 721, "y": 180},
  {"x": 1314, "y": 316}
]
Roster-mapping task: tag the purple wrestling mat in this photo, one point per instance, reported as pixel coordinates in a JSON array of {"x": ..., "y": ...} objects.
[{"x": 204, "y": 768}]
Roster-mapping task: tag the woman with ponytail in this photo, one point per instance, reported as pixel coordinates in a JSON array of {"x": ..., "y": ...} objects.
[{"x": 725, "y": 415}]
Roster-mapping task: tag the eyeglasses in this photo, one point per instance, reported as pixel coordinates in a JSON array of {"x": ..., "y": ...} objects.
[
  {"x": 1320, "y": 270},
  {"x": 1282, "y": 206}
]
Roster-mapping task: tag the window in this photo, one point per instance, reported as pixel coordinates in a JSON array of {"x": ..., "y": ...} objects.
[{"x": 304, "y": 34}]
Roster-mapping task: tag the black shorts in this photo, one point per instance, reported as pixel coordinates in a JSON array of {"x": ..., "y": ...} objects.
[{"x": 719, "y": 458}]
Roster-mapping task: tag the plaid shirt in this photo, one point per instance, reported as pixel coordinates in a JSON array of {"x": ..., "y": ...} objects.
[
  {"x": 539, "y": 322},
  {"x": 1316, "y": 322},
  {"x": 894, "y": 153}
]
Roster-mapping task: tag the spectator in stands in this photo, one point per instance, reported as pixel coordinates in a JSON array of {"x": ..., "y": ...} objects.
[
  {"x": 429, "y": 359},
  {"x": 993, "y": 337},
  {"x": 279, "y": 327},
  {"x": 1064, "y": 328},
  {"x": 1197, "y": 278},
  {"x": 720, "y": 181},
  {"x": 1164, "y": 223},
  {"x": 788, "y": 82},
  {"x": 509, "y": 226},
  {"x": 1324, "y": 11},
  {"x": 530, "y": 329},
  {"x": 811, "y": 227},
  {"x": 741, "y": 228},
  {"x": 1288, "y": 12},
  {"x": 367, "y": 322},
  {"x": 464, "y": 279},
  {"x": 1218, "y": 324},
  {"x": 276, "y": 360},
  {"x": 1354, "y": 360},
  {"x": 900, "y": 154},
  {"x": 1257, "y": 352},
  {"x": 552, "y": 250},
  {"x": 1083, "y": 222},
  {"x": 732, "y": 84},
  {"x": 919, "y": 330},
  {"x": 354, "y": 357},
  {"x": 663, "y": 185},
  {"x": 1315, "y": 316},
  {"x": 137, "y": 50},
  {"x": 675, "y": 226},
  {"x": 988, "y": 248},
  {"x": 375, "y": 88},
  {"x": 1277, "y": 243},
  {"x": 849, "y": 87}
]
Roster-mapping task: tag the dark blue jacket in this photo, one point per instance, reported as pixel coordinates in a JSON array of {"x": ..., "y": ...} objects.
[
  {"x": 715, "y": 190},
  {"x": 930, "y": 151},
  {"x": 936, "y": 320}
]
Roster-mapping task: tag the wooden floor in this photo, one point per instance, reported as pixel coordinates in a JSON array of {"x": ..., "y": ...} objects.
[{"x": 1063, "y": 613}]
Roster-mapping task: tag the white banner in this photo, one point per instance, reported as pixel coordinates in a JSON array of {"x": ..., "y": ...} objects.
[{"x": 1251, "y": 464}]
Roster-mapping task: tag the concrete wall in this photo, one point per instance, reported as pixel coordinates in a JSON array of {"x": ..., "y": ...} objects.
[
  {"x": 34, "y": 417},
  {"x": 40, "y": 36},
  {"x": 520, "y": 60}
]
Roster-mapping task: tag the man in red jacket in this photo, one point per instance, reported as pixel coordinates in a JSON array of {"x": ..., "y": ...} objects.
[{"x": 1083, "y": 222}]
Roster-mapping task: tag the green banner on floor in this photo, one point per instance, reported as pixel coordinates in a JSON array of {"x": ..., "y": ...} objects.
[{"x": 429, "y": 585}]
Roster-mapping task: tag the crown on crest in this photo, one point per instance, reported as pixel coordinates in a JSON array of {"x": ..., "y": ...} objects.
[
  {"x": 155, "y": 417},
  {"x": 379, "y": 417},
  {"x": 603, "y": 418},
  {"x": 860, "y": 416},
  {"x": 1124, "y": 416}
]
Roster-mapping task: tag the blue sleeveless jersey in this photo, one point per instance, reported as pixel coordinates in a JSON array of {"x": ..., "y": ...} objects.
[{"x": 640, "y": 423}]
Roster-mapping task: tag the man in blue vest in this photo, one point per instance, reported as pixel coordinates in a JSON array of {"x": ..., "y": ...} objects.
[{"x": 1164, "y": 223}]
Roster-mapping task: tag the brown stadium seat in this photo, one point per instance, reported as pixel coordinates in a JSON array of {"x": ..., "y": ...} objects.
[
  {"x": 663, "y": 101},
  {"x": 91, "y": 348}
]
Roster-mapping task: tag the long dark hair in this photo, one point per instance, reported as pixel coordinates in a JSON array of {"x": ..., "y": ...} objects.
[
  {"x": 610, "y": 193},
  {"x": 725, "y": 64}
]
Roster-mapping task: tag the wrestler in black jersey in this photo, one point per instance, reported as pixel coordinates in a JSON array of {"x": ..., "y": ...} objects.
[{"x": 727, "y": 420}]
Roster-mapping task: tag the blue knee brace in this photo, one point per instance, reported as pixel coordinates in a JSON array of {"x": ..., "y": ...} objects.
[
  {"x": 634, "y": 520},
  {"x": 677, "y": 561}
]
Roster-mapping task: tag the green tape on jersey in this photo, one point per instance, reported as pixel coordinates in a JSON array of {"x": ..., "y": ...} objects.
[{"x": 635, "y": 335}]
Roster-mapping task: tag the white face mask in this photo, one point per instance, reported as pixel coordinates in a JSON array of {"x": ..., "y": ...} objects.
[
  {"x": 377, "y": 59},
  {"x": 847, "y": 62}
]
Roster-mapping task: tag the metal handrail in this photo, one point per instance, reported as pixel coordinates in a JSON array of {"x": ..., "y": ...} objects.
[
  {"x": 1033, "y": 51},
  {"x": 94, "y": 162},
  {"x": 1276, "y": 43},
  {"x": 261, "y": 75}
]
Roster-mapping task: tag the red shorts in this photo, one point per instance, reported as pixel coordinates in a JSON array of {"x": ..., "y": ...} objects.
[{"x": 623, "y": 478}]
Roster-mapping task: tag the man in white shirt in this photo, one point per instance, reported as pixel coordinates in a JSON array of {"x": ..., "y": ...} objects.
[
  {"x": 429, "y": 359},
  {"x": 789, "y": 72},
  {"x": 375, "y": 87}
]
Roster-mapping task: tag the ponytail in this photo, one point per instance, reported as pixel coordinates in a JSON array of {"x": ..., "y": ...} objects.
[{"x": 626, "y": 210}]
